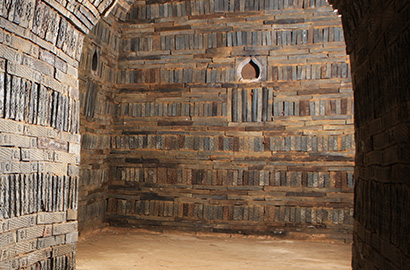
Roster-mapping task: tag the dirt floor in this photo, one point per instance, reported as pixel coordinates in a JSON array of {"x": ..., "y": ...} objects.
[{"x": 139, "y": 249}]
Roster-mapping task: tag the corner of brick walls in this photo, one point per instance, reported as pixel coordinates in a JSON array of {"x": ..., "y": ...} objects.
[
  {"x": 39, "y": 56},
  {"x": 97, "y": 89}
]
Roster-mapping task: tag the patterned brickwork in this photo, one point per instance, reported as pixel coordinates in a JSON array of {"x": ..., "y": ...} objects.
[
  {"x": 379, "y": 39},
  {"x": 97, "y": 83},
  {"x": 195, "y": 147},
  {"x": 40, "y": 48}
]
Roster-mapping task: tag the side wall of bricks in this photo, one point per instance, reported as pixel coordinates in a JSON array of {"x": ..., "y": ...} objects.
[
  {"x": 97, "y": 74},
  {"x": 97, "y": 84},
  {"x": 212, "y": 181},
  {"x": 197, "y": 147},
  {"x": 379, "y": 40},
  {"x": 40, "y": 49}
]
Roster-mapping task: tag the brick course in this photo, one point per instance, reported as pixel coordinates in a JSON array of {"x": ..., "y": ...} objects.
[
  {"x": 378, "y": 41},
  {"x": 40, "y": 48},
  {"x": 180, "y": 142},
  {"x": 196, "y": 148}
]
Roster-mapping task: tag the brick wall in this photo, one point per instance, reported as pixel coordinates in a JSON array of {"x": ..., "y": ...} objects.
[
  {"x": 194, "y": 147},
  {"x": 40, "y": 48},
  {"x": 97, "y": 86},
  {"x": 378, "y": 41}
]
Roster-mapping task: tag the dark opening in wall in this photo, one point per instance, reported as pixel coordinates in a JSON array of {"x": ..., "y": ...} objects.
[
  {"x": 250, "y": 71},
  {"x": 94, "y": 61}
]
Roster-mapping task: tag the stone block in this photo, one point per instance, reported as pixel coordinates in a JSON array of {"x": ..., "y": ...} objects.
[
  {"x": 50, "y": 218},
  {"x": 65, "y": 228}
]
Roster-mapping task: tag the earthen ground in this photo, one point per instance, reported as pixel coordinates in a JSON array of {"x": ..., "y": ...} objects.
[{"x": 139, "y": 249}]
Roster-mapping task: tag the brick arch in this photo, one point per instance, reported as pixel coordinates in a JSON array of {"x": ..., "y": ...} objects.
[
  {"x": 36, "y": 151},
  {"x": 378, "y": 37},
  {"x": 40, "y": 49}
]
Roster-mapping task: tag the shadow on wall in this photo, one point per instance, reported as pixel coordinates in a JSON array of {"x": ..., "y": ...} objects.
[
  {"x": 177, "y": 98},
  {"x": 200, "y": 144},
  {"x": 97, "y": 75},
  {"x": 40, "y": 48}
]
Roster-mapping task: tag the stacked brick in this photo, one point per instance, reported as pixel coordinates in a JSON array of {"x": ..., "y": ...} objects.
[
  {"x": 196, "y": 147},
  {"x": 40, "y": 48},
  {"x": 381, "y": 62},
  {"x": 193, "y": 146},
  {"x": 97, "y": 83}
]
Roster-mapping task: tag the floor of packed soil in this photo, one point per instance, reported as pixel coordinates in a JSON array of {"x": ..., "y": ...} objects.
[{"x": 139, "y": 249}]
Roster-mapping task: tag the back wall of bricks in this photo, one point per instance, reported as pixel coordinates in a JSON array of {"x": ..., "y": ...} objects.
[
  {"x": 195, "y": 147},
  {"x": 192, "y": 146}
]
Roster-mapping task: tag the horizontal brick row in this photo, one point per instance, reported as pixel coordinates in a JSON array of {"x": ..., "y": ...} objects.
[
  {"x": 310, "y": 72},
  {"x": 93, "y": 176},
  {"x": 236, "y": 177},
  {"x": 236, "y": 143},
  {"x": 223, "y": 39},
  {"x": 158, "y": 109},
  {"x": 38, "y": 260},
  {"x": 259, "y": 104},
  {"x": 241, "y": 38},
  {"x": 247, "y": 105},
  {"x": 228, "y": 74},
  {"x": 201, "y": 211},
  {"x": 313, "y": 107},
  {"x": 92, "y": 141},
  {"x": 199, "y": 7}
]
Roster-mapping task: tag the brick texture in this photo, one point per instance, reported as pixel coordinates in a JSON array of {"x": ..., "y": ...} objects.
[
  {"x": 173, "y": 137},
  {"x": 378, "y": 38},
  {"x": 196, "y": 147},
  {"x": 97, "y": 88},
  {"x": 40, "y": 48}
]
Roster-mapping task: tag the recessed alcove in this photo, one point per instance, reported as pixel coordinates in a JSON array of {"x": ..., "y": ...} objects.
[
  {"x": 94, "y": 60},
  {"x": 249, "y": 70}
]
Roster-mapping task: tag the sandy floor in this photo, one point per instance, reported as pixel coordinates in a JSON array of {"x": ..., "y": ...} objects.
[{"x": 124, "y": 249}]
